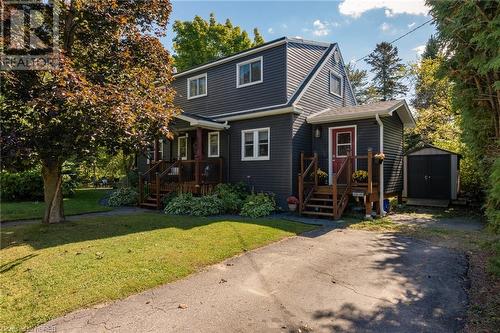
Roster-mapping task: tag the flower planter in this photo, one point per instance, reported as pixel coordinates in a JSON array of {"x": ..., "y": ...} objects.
[{"x": 292, "y": 207}]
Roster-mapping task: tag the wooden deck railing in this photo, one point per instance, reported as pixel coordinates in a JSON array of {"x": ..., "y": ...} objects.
[{"x": 307, "y": 179}]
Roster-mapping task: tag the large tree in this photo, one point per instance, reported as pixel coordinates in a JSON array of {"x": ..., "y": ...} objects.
[
  {"x": 111, "y": 89},
  {"x": 468, "y": 31},
  {"x": 388, "y": 71},
  {"x": 363, "y": 91},
  {"x": 200, "y": 41}
]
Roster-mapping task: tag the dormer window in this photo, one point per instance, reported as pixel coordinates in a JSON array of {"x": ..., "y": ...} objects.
[
  {"x": 249, "y": 72},
  {"x": 197, "y": 86},
  {"x": 336, "y": 84}
]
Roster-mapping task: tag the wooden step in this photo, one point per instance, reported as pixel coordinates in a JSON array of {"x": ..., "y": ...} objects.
[
  {"x": 317, "y": 213},
  {"x": 148, "y": 205},
  {"x": 319, "y": 206},
  {"x": 321, "y": 199}
]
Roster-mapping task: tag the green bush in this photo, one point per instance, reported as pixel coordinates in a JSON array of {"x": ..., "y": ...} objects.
[
  {"x": 124, "y": 196},
  {"x": 28, "y": 185},
  {"x": 232, "y": 196},
  {"x": 258, "y": 205},
  {"x": 187, "y": 204},
  {"x": 493, "y": 201},
  {"x": 167, "y": 198}
]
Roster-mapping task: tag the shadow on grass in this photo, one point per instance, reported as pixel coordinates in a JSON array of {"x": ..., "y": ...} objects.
[
  {"x": 433, "y": 281},
  {"x": 41, "y": 236},
  {"x": 16, "y": 262}
]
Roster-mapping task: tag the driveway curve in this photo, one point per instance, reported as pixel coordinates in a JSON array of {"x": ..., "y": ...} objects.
[{"x": 323, "y": 281}]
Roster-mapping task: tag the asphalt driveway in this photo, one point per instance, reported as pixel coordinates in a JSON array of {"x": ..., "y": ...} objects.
[{"x": 325, "y": 281}]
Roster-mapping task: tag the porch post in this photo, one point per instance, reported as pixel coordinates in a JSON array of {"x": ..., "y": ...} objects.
[
  {"x": 199, "y": 155},
  {"x": 156, "y": 153}
]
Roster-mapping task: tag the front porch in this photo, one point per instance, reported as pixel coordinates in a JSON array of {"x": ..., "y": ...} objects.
[{"x": 190, "y": 162}]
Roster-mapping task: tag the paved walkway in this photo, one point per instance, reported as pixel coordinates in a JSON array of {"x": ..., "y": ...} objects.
[{"x": 331, "y": 280}]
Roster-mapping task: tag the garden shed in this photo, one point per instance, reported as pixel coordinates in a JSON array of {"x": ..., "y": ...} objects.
[{"x": 432, "y": 174}]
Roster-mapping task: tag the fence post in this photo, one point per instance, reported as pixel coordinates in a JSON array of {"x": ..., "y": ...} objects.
[
  {"x": 334, "y": 195},
  {"x": 197, "y": 172},
  {"x": 315, "y": 161},
  {"x": 301, "y": 162},
  {"x": 349, "y": 169},
  {"x": 370, "y": 171}
]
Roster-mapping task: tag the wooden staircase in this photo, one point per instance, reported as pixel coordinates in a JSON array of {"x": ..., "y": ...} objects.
[{"x": 332, "y": 200}]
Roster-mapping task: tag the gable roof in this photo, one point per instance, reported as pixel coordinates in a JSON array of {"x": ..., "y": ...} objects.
[
  {"x": 422, "y": 146},
  {"x": 384, "y": 108},
  {"x": 259, "y": 48}
]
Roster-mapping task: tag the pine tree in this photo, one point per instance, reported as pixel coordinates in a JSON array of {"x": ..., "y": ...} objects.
[
  {"x": 363, "y": 92},
  {"x": 431, "y": 49},
  {"x": 257, "y": 39},
  {"x": 388, "y": 70}
]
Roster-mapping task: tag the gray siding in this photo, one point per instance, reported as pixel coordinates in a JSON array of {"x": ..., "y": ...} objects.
[
  {"x": 301, "y": 59},
  {"x": 367, "y": 136},
  {"x": 222, "y": 94},
  {"x": 316, "y": 98},
  {"x": 273, "y": 175},
  {"x": 393, "y": 150}
]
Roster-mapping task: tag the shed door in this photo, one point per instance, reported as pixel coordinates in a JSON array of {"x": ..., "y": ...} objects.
[{"x": 429, "y": 176}]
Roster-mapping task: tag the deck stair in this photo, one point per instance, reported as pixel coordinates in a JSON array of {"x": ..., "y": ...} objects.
[{"x": 332, "y": 200}]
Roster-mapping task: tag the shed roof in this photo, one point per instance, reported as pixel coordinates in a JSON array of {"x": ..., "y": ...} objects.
[
  {"x": 429, "y": 146},
  {"x": 384, "y": 108}
]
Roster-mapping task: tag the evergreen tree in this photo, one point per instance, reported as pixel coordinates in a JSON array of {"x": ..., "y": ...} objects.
[
  {"x": 359, "y": 82},
  {"x": 388, "y": 70},
  {"x": 431, "y": 49},
  {"x": 200, "y": 41}
]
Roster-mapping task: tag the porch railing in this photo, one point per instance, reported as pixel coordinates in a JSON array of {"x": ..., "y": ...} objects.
[{"x": 307, "y": 179}]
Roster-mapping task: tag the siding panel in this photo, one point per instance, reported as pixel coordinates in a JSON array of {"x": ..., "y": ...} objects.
[
  {"x": 301, "y": 59},
  {"x": 393, "y": 150}
]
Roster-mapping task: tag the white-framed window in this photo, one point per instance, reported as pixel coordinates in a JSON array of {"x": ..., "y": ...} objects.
[
  {"x": 182, "y": 147},
  {"x": 255, "y": 144},
  {"x": 213, "y": 144},
  {"x": 249, "y": 72},
  {"x": 336, "y": 84},
  {"x": 344, "y": 143},
  {"x": 197, "y": 86}
]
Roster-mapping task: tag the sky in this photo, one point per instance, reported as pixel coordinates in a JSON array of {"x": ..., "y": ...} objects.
[{"x": 356, "y": 25}]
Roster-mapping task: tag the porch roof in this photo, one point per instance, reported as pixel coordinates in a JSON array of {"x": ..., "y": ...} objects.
[
  {"x": 385, "y": 108},
  {"x": 200, "y": 121}
]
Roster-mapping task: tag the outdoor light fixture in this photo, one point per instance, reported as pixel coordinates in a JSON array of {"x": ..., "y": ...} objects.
[{"x": 317, "y": 132}]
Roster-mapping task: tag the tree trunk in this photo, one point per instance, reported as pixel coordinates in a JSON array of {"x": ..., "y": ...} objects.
[{"x": 52, "y": 190}]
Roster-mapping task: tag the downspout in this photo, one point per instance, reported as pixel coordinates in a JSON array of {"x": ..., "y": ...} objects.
[{"x": 381, "y": 169}]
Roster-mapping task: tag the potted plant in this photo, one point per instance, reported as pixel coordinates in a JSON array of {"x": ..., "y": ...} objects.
[
  {"x": 292, "y": 203},
  {"x": 380, "y": 157},
  {"x": 360, "y": 176},
  {"x": 322, "y": 177}
]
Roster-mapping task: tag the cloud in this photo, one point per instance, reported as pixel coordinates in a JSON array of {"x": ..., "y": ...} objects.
[
  {"x": 270, "y": 30},
  {"x": 321, "y": 28},
  {"x": 385, "y": 27},
  {"x": 298, "y": 37},
  {"x": 356, "y": 8},
  {"x": 284, "y": 26},
  {"x": 419, "y": 49},
  {"x": 411, "y": 25}
]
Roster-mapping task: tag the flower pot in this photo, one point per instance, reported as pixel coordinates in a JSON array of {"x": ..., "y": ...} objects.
[
  {"x": 380, "y": 161},
  {"x": 292, "y": 207}
]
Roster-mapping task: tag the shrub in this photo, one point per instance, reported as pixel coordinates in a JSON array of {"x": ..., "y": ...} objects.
[
  {"x": 493, "y": 201},
  {"x": 187, "y": 204},
  {"x": 232, "y": 196},
  {"x": 167, "y": 198},
  {"x": 258, "y": 205},
  {"x": 124, "y": 196},
  {"x": 28, "y": 185}
]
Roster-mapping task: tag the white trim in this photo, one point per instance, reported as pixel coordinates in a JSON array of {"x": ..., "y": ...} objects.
[
  {"x": 196, "y": 78},
  {"x": 246, "y": 62},
  {"x": 202, "y": 123},
  {"x": 252, "y": 115},
  {"x": 185, "y": 137},
  {"x": 381, "y": 173},
  {"x": 255, "y": 132},
  {"x": 315, "y": 74},
  {"x": 230, "y": 58},
  {"x": 347, "y": 76},
  {"x": 218, "y": 144},
  {"x": 330, "y": 156},
  {"x": 334, "y": 73}
]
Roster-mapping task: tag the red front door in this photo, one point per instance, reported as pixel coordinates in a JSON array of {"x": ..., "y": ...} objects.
[{"x": 343, "y": 140}]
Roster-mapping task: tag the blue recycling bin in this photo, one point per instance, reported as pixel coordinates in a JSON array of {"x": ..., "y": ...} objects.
[{"x": 387, "y": 205}]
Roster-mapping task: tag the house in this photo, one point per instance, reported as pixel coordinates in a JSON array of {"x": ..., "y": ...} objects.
[{"x": 265, "y": 115}]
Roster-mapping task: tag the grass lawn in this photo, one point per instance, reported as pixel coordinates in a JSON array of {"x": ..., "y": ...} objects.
[
  {"x": 49, "y": 270},
  {"x": 84, "y": 201}
]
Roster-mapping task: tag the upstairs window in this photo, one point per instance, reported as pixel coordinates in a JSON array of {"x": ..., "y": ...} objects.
[
  {"x": 255, "y": 144},
  {"x": 213, "y": 144},
  {"x": 249, "y": 72},
  {"x": 197, "y": 86},
  {"x": 336, "y": 84}
]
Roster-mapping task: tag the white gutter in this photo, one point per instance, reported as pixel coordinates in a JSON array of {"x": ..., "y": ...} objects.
[
  {"x": 381, "y": 169},
  {"x": 251, "y": 115}
]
